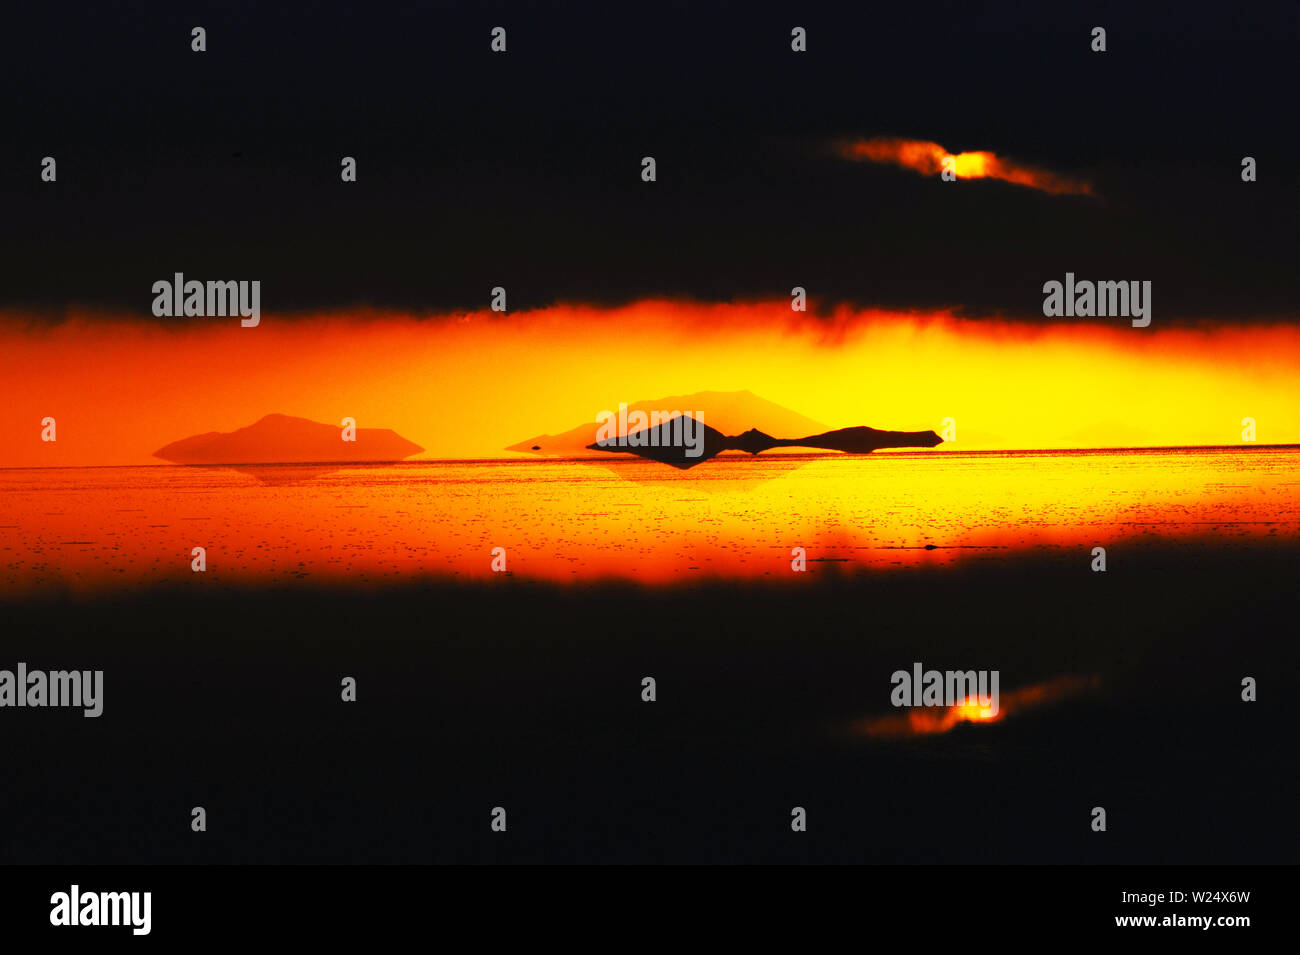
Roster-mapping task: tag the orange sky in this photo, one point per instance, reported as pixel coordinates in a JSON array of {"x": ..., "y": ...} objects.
[{"x": 467, "y": 386}]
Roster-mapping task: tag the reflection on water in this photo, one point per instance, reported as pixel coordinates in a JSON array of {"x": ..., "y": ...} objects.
[
  {"x": 921, "y": 721},
  {"x": 581, "y": 520}
]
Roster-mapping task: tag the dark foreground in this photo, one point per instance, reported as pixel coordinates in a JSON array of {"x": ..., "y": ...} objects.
[{"x": 528, "y": 697}]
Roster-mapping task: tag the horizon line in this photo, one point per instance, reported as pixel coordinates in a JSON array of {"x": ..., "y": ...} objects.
[{"x": 535, "y": 458}]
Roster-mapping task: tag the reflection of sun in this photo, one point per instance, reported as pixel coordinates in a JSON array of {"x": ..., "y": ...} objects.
[
  {"x": 971, "y": 710},
  {"x": 970, "y": 165},
  {"x": 921, "y": 720},
  {"x": 924, "y": 720}
]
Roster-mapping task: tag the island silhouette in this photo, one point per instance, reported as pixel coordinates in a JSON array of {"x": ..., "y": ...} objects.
[
  {"x": 664, "y": 443},
  {"x": 725, "y": 410},
  {"x": 284, "y": 439}
]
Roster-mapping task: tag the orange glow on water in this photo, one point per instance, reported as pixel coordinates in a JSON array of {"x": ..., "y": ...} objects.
[
  {"x": 586, "y": 521},
  {"x": 468, "y": 386}
]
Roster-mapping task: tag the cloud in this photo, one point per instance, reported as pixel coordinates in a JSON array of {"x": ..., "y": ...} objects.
[{"x": 928, "y": 158}]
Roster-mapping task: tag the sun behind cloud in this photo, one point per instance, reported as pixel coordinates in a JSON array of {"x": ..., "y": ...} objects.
[{"x": 928, "y": 158}]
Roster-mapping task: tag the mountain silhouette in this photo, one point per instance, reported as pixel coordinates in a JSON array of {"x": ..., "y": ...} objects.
[
  {"x": 688, "y": 443},
  {"x": 284, "y": 439},
  {"x": 730, "y": 411}
]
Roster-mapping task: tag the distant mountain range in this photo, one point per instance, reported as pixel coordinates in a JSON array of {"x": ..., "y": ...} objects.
[
  {"x": 284, "y": 439},
  {"x": 730, "y": 412}
]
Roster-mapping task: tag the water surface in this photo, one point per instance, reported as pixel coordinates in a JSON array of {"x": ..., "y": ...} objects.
[{"x": 621, "y": 517}]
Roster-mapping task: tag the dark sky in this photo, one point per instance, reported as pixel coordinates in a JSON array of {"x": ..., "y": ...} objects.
[{"x": 523, "y": 169}]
